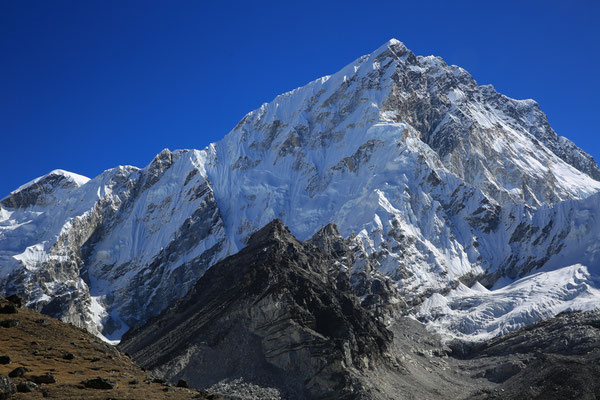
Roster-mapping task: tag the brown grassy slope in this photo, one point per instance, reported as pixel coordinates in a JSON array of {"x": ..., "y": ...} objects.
[{"x": 40, "y": 344}]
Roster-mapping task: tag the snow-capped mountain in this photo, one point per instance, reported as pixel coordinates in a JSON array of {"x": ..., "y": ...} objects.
[{"x": 436, "y": 179}]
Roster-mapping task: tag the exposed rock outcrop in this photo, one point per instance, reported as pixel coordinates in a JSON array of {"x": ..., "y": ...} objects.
[{"x": 275, "y": 315}]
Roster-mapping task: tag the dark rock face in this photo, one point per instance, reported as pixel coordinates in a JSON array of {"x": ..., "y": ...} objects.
[
  {"x": 274, "y": 315},
  {"x": 5, "y": 360},
  {"x": 375, "y": 290},
  {"x": 16, "y": 300}
]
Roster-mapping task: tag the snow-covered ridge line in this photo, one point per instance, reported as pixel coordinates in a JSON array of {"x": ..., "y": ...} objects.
[
  {"x": 77, "y": 179},
  {"x": 433, "y": 177}
]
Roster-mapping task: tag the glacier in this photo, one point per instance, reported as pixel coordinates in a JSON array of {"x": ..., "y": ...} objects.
[{"x": 447, "y": 187}]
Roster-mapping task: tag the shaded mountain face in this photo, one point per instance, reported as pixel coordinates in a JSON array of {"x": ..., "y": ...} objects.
[
  {"x": 434, "y": 179},
  {"x": 278, "y": 314}
]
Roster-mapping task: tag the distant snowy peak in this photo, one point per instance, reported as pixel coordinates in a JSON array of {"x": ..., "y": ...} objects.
[
  {"x": 76, "y": 179},
  {"x": 38, "y": 190}
]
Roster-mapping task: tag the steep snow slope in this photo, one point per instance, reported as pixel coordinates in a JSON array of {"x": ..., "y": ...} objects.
[
  {"x": 115, "y": 250},
  {"x": 434, "y": 177},
  {"x": 159, "y": 244},
  {"x": 43, "y": 225},
  {"x": 494, "y": 143}
]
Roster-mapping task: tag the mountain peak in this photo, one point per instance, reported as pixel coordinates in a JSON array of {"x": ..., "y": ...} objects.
[
  {"x": 75, "y": 179},
  {"x": 275, "y": 229},
  {"x": 392, "y": 43},
  {"x": 394, "y": 47},
  {"x": 36, "y": 190}
]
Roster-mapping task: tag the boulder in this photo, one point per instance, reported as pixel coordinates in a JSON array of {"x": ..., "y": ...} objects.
[
  {"x": 47, "y": 378},
  {"x": 7, "y": 388},
  {"x": 8, "y": 309},
  {"x": 18, "y": 372},
  {"x": 100, "y": 383},
  {"x": 27, "y": 387},
  {"x": 16, "y": 300},
  {"x": 182, "y": 383},
  {"x": 9, "y": 323}
]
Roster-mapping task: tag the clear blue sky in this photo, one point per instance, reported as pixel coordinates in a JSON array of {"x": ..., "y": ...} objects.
[{"x": 88, "y": 85}]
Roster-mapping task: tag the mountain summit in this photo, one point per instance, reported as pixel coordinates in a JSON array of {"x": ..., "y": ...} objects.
[{"x": 438, "y": 182}]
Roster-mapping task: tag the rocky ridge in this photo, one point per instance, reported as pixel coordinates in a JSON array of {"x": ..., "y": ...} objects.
[{"x": 278, "y": 314}]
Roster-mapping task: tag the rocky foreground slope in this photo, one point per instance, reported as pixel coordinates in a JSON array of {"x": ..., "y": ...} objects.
[
  {"x": 555, "y": 359},
  {"x": 283, "y": 318},
  {"x": 41, "y": 357}
]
